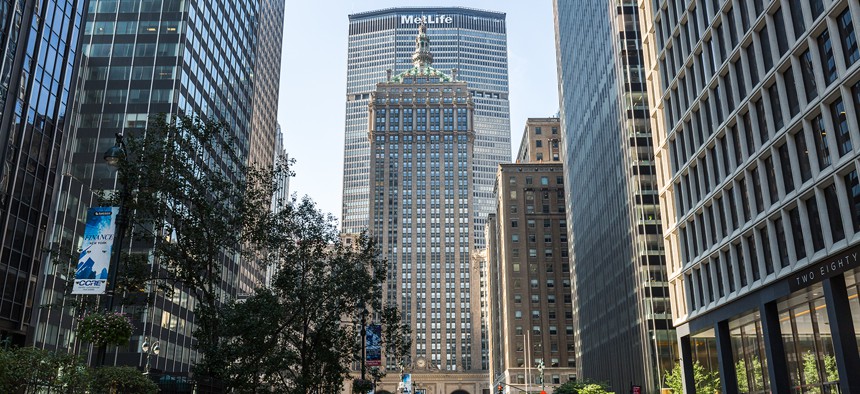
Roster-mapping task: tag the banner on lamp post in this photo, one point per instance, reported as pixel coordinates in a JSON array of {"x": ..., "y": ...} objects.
[
  {"x": 373, "y": 346},
  {"x": 94, "y": 261},
  {"x": 406, "y": 383}
]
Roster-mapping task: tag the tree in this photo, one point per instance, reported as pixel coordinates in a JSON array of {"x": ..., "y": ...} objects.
[
  {"x": 31, "y": 370},
  {"x": 111, "y": 380},
  {"x": 300, "y": 335},
  {"x": 744, "y": 376},
  {"x": 811, "y": 370},
  {"x": 582, "y": 387},
  {"x": 195, "y": 207},
  {"x": 707, "y": 382}
]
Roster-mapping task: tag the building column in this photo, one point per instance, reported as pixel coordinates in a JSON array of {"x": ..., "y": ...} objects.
[
  {"x": 842, "y": 330},
  {"x": 728, "y": 377},
  {"x": 687, "y": 373},
  {"x": 777, "y": 365}
]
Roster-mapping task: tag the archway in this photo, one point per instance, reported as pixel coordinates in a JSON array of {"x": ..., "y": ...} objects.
[{"x": 460, "y": 392}]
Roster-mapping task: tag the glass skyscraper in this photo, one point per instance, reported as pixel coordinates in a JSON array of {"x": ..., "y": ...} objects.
[
  {"x": 471, "y": 41},
  {"x": 219, "y": 59},
  {"x": 39, "y": 47},
  {"x": 621, "y": 316}
]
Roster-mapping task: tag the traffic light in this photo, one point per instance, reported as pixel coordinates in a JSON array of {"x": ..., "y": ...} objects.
[{"x": 501, "y": 389}]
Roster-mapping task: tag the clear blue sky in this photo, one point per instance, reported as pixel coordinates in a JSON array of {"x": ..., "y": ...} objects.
[{"x": 313, "y": 80}]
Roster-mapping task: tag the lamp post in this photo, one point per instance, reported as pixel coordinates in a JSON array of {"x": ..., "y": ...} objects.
[
  {"x": 149, "y": 349},
  {"x": 113, "y": 156},
  {"x": 540, "y": 371}
]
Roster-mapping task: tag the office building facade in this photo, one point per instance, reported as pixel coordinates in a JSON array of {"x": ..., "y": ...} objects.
[
  {"x": 757, "y": 110},
  {"x": 422, "y": 140},
  {"x": 39, "y": 45},
  {"x": 541, "y": 141},
  {"x": 142, "y": 58},
  {"x": 622, "y": 326},
  {"x": 472, "y": 41},
  {"x": 530, "y": 311}
]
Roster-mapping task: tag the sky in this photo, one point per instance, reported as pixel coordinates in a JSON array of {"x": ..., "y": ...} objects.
[{"x": 313, "y": 81}]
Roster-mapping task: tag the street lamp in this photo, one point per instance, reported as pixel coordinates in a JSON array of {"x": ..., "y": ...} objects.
[
  {"x": 113, "y": 156},
  {"x": 116, "y": 153},
  {"x": 149, "y": 349}
]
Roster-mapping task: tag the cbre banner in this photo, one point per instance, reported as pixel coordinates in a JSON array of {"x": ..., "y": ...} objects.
[
  {"x": 373, "y": 343},
  {"x": 94, "y": 261}
]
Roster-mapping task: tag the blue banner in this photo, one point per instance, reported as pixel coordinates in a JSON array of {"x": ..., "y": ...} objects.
[
  {"x": 94, "y": 261},
  {"x": 373, "y": 345},
  {"x": 406, "y": 383}
]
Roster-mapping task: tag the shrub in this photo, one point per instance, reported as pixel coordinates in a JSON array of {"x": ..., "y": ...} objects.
[{"x": 121, "y": 380}]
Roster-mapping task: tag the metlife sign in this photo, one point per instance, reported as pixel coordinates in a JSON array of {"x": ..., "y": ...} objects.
[{"x": 427, "y": 19}]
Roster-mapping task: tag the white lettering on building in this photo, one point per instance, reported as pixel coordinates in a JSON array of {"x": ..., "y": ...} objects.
[{"x": 427, "y": 19}]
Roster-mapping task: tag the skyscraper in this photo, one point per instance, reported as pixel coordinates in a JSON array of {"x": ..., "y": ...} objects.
[
  {"x": 530, "y": 313},
  {"x": 39, "y": 46},
  {"x": 757, "y": 109},
  {"x": 422, "y": 142},
  {"x": 622, "y": 324},
  {"x": 472, "y": 41},
  {"x": 147, "y": 57}
]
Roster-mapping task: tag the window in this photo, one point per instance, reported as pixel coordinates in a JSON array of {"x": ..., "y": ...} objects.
[
  {"x": 791, "y": 92},
  {"x": 753, "y": 252},
  {"x": 840, "y": 122},
  {"x": 781, "y": 36},
  {"x": 817, "y": 7},
  {"x": 849, "y": 41},
  {"x": 819, "y": 135},
  {"x": 787, "y": 174},
  {"x": 797, "y": 18},
  {"x": 832, "y": 204},
  {"x": 775, "y": 107},
  {"x": 808, "y": 76},
  {"x": 825, "y": 52},
  {"x": 538, "y": 144},
  {"x": 537, "y": 130},
  {"x": 780, "y": 243},
  {"x": 814, "y": 218},
  {"x": 770, "y": 173},
  {"x": 796, "y": 230},
  {"x": 753, "y": 67},
  {"x": 852, "y": 187},
  {"x": 802, "y": 157},
  {"x": 544, "y": 181},
  {"x": 764, "y": 39}
]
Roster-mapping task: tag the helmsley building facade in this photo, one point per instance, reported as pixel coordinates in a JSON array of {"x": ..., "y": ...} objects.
[
  {"x": 756, "y": 106},
  {"x": 421, "y": 131}
]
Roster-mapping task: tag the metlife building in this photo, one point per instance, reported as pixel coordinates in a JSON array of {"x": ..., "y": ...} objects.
[{"x": 474, "y": 42}]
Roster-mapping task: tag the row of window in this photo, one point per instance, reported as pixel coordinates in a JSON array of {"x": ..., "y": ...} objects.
[
  {"x": 823, "y": 216},
  {"x": 812, "y": 144}
]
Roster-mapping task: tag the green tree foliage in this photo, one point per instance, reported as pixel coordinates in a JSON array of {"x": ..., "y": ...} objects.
[
  {"x": 811, "y": 371},
  {"x": 30, "y": 370},
  {"x": 300, "y": 335},
  {"x": 582, "y": 387},
  {"x": 707, "y": 382},
  {"x": 195, "y": 207},
  {"x": 742, "y": 371},
  {"x": 111, "y": 380}
]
